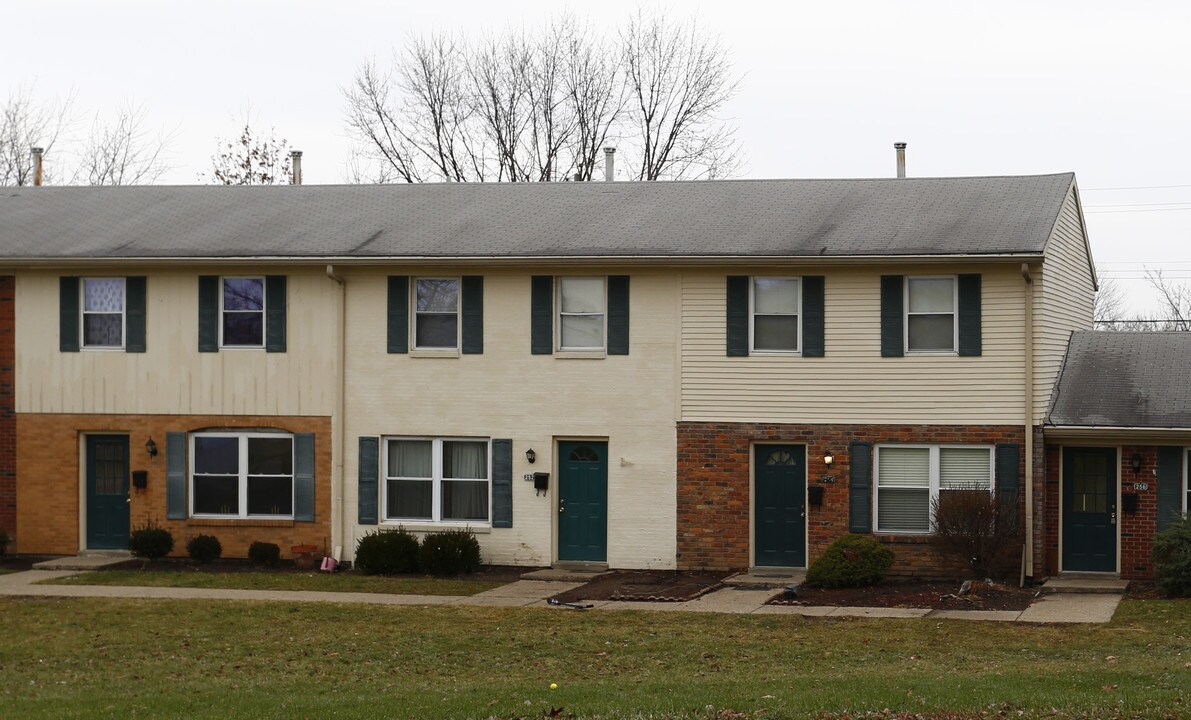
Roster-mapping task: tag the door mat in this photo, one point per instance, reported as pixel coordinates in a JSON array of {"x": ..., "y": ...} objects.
[{"x": 646, "y": 586}]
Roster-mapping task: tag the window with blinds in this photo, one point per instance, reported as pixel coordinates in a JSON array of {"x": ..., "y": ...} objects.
[{"x": 910, "y": 477}]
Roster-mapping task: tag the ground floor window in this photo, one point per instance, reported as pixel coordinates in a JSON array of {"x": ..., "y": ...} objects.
[
  {"x": 437, "y": 480},
  {"x": 242, "y": 475},
  {"x": 910, "y": 477}
]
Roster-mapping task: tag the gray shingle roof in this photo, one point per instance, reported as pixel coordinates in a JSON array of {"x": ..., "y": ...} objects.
[
  {"x": 764, "y": 218},
  {"x": 1125, "y": 379}
]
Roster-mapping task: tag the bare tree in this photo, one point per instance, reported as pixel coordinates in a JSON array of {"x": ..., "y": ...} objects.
[
  {"x": 123, "y": 151},
  {"x": 1173, "y": 313},
  {"x": 26, "y": 123},
  {"x": 597, "y": 91},
  {"x": 250, "y": 159},
  {"x": 1175, "y": 299}
]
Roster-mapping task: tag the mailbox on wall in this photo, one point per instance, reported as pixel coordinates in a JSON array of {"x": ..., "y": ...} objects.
[
  {"x": 814, "y": 493},
  {"x": 140, "y": 479}
]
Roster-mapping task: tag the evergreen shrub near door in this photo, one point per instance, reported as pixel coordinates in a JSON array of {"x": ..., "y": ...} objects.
[
  {"x": 450, "y": 552},
  {"x": 150, "y": 541},
  {"x": 1172, "y": 557},
  {"x": 851, "y": 561},
  {"x": 204, "y": 549},
  {"x": 387, "y": 552},
  {"x": 263, "y": 553}
]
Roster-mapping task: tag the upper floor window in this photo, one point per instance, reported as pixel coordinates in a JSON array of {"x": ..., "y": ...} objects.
[
  {"x": 435, "y": 480},
  {"x": 243, "y": 312},
  {"x": 776, "y": 313},
  {"x": 582, "y": 303},
  {"x": 930, "y": 314},
  {"x": 909, "y": 479},
  {"x": 436, "y": 313},
  {"x": 242, "y": 474},
  {"x": 103, "y": 312}
]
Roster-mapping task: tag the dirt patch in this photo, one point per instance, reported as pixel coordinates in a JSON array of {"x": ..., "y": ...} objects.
[
  {"x": 1138, "y": 590},
  {"x": 934, "y": 595},
  {"x": 646, "y": 585}
]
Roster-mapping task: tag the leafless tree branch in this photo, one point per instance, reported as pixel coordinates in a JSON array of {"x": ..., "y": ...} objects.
[
  {"x": 123, "y": 151},
  {"x": 25, "y": 123}
]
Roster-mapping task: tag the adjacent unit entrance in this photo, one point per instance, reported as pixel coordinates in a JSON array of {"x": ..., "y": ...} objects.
[
  {"x": 583, "y": 501},
  {"x": 107, "y": 492},
  {"x": 1090, "y": 509},
  {"x": 779, "y": 501}
]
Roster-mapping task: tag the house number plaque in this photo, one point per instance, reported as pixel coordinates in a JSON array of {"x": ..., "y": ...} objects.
[{"x": 1141, "y": 486}]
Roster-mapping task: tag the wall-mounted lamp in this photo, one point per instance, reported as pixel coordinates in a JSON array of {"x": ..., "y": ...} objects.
[
  {"x": 828, "y": 458},
  {"x": 151, "y": 447},
  {"x": 531, "y": 456},
  {"x": 1135, "y": 461}
]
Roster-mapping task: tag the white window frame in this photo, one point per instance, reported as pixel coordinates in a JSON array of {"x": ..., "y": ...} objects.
[
  {"x": 558, "y": 315},
  {"x": 436, "y": 479},
  {"x": 753, "y": 315},
  {"x": 83, "y": 313},
  {"x": 954, "y": 315},
  {"x": 414, "y": 312},
  {"x": 242, "y": 467},
  {"x": 263, "y": 311},
  {"x": 933, "y": 471}
]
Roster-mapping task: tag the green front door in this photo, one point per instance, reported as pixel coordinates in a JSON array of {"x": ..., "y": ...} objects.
[
  {"x": 583, "y": 501},
  {"x": 107, "y": 492},
  {"x": 779, "y": 479},
  {"x": 1090, "y": 509}
]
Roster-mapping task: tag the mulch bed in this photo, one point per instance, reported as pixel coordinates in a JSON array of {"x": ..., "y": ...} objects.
[
  {"x": 934, "y": 595},
  {"x": 491, "y": 573},
  {"x": 646, "y": 585}
]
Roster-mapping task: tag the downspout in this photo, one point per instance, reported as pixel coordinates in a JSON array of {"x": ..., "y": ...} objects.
[
  {"x": 1029, "y": 415},
  {"x": 339, "y": 529}
]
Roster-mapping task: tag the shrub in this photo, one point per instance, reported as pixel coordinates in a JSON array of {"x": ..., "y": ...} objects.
[
  {"x": 387, "y": 552},
  {"x": 979, "y": 530},
  {"x": 263, "y": 553},
  {"x": 851, "y": 561},
  {"x": 450, "y": 552},
  {"x": 4, "y": 539},
  {"x": 1172, "y": 557},
  {"x": 151, "y": 541},
  {"x": 204, "y": 549}
]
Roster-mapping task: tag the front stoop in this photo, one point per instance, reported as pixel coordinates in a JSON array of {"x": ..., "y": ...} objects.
[
  {"x": 89, "y": 560},
  {"x": 767, "y": 577},
  {"x": 579, "y": 572},
  {"x": 1086, "y": 583}
]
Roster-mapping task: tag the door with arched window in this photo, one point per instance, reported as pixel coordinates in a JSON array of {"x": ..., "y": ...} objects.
[
  {"x": 583, "y": 501},
  {"x": 779, "y": 501}
]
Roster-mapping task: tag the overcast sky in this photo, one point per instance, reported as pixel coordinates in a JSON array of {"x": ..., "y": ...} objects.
[{"x": 976, "y": 88}]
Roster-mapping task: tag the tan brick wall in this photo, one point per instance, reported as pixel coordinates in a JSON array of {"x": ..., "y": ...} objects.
[{"x": 48, "y": 486}]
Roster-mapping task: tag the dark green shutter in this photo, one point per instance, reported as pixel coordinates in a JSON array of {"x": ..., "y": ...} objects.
[
  {"x": 618, "y": 314},
  {"x": 473, "y": 314},
  {"x": 1170, "y": 485},
  {"x": 541, "y": 315},
  {"x": 812, "y": 316},
  {"x": 175, "y": 475},
  {"x": 68, "y": 314},
  {"x": 1008, "y": 476},
  {"x": 738, "y": 315},
  {"x": 502, "y": 483},
  {"x": 969, "y": 316},
  {"x": 134, "y": 314},
  {"x": 398, "y": 322},
  {"x": 304, "y": 477},
  {"x": 893, "y": 343},
  {"x": 208, "y": 313},
  {"x": 367, "y": 496},
  {"x": 860, "y": 487},
  {"x": 275, "y": 312}
]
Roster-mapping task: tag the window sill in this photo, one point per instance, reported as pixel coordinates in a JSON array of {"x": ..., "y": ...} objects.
[
  {"x": 907, "y": 538},
  {"x": 426, "y": 353},
  {"x": 435, "y": 527},
  {"x": 100, "y": 349},
  {"x": 931, "y": 353},
  {"x": 581, "y": 354},
  {"x": 239, "y": 522}
]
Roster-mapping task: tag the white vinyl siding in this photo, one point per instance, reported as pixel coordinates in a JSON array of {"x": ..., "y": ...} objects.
[{"x": 910, "y": 477}]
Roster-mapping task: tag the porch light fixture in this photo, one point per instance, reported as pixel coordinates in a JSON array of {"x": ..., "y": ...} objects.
[
  {"x": 1135, "y": 461},
  {"x": 151, "y": 447},
  {"x": 531, "y": 456},
  {"x": 828, "y": 458}
]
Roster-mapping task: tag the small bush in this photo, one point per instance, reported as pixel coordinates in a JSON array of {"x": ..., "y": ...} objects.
[
  {"x": 851, "y": 561},
  {"x": 204, "y": 549},
  {"x": 263, "y": 553},
  {"x": 1172, "y": 557},
  {"x": 387, "y": 552},
  {"x": 450, "y": 552},
  {"x": 151, "y": 541},
  {"x": 978, "y": 529}
]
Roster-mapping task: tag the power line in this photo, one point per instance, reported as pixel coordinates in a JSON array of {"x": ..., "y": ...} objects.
[
  {"x": 1139, "y": 187},
  {"x": 1108, "y": 212},
  {"x": 1180, "y": 202}
]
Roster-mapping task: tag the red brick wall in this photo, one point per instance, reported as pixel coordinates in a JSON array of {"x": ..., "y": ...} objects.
[
  {"x": 48, "y": 481},
  {"x": 8, "y": 421},
  {"x": 713, "y": 486}
]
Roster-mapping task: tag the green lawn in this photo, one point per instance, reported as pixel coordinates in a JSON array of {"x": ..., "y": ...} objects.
[
  {"x": 344, "y": 582},
  {"x": 85, "y": 658}
]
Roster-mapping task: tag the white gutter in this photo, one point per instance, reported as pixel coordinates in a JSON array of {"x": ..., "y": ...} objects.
[
  {"x": 1029, "y": 414},
  {"x": 338, "y": 422}
]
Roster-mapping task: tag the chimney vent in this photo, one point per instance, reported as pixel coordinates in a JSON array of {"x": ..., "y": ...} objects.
[
  {"x": 609, "y": 164},
  {"x": 900, "y": 147},
  {"x": 38, "y": 153},
  {"x": 295, "y": 165}
]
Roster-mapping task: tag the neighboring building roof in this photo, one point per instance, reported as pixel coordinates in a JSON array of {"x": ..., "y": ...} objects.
[
  {"x": 724, "y": 218},
  {"x": 1125, "y": 379}
]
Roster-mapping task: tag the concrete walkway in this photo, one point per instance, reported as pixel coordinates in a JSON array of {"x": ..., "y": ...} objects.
[{"x": 1054, "y": 608}]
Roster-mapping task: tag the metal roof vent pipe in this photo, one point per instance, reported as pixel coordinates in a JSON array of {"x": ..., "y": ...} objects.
[
  {"x": 38, "y": 154},
  {"x": 609, "y": 164},
  {"x": 295, "y": 166},
  {"x": 900, "y": 147}
]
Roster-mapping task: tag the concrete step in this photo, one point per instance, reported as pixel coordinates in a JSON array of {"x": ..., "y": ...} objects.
[
  {"x": 766, "y": 577},
  {"x": 1086, "y": 584},
  {"x": 86, "y": 561},
  {"x": 579, "y": 573}
]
